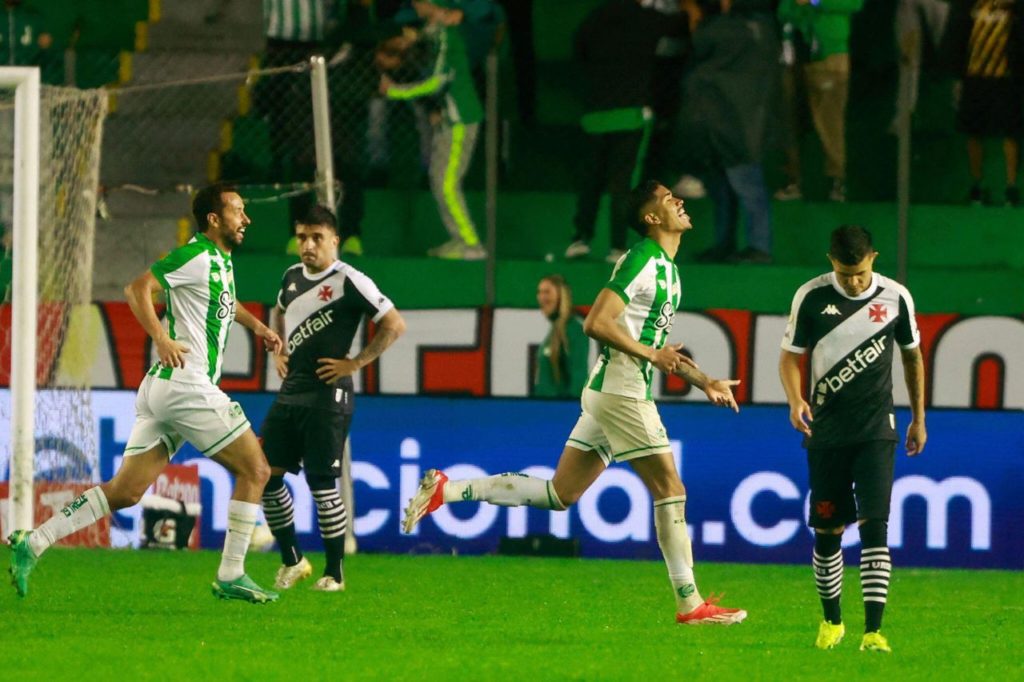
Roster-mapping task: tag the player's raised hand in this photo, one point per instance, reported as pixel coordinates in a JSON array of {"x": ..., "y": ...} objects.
[
  {"x": 170, "y": 352},
  {"x": 281, "y": 365},
  {"x": 332, "y": 369},
  {"x": 917, "y": 436},
  {"x": 800, "y": 417},
  {"x": 719, "y": 392},
  {"x": 668, "y": 357}
]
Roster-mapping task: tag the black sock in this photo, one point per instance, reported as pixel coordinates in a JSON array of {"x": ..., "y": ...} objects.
[
  {"x": 828, "y": 574},
  {"x": 875, "y": 571},
  {"x": 333, "y": 521},
  {"x": 280, "y": 515}
]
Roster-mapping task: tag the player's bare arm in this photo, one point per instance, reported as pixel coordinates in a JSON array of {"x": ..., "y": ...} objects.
[
  {"x": 718, "y": 391},
  {"x": 799, "y": 411},
  {"x": 913, "y": 374},
  {"x": 277, "y": 324},
  {"x": 601, "y": 325},
  {"x": 269, "y": 336},
  {"x": 140, "y": 299},
  {"x": 390, "y": 327}
]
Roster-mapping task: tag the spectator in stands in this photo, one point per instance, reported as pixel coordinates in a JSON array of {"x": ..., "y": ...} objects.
[
  {"x": 519, "y": 19},
  {"x": 562, "y": 361},
  {"x": 728, "y": 96},
  {"x": 919, "y": 23},
  {"x": 816, "y": 34},
  {"x": 455, "y": 114},
  {"x": 295, "y": 31},
  {"x": 616, "y": 45},
  {"x": 364, "y": 45},
  {"x": 986, "y": 45}
]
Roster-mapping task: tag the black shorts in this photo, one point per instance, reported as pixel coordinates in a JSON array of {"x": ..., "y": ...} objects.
[
  {"x": 850, "y": 482},
  {"x": 990, "y": 107},
  {"x": 301, "y": 437}
]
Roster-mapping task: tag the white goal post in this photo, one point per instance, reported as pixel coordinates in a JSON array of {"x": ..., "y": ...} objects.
[{"x": 25, "y": 83}]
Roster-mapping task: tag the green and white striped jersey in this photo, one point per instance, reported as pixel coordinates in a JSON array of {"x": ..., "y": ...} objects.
[
  {"x": 647, "y": 281},
  {"x": 200, "y": 285},
  {"x": 295, "y": 20}
]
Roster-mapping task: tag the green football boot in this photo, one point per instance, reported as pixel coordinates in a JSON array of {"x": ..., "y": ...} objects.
[
  {"x": 242, "y": 588},
  {"x": 23, "y": 560}
]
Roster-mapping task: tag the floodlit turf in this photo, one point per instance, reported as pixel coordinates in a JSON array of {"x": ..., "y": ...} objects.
[{"x": 93, "y": 613}]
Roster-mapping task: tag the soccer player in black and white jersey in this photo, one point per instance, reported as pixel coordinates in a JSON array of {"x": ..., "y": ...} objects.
[
  {"x": 849, "y": 320},
  {"x": 321, "y": 304}
]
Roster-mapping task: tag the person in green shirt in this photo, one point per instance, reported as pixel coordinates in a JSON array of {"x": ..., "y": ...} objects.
[
  {"x": 816, "y": 51},
  {"x": 455, "y": 116},
  {"x": 561, "y": 369}
]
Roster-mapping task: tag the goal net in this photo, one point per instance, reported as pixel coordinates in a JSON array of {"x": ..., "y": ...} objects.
[{"x": 67, "y": 330}]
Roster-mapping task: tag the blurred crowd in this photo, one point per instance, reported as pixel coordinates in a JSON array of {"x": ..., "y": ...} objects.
[{"x": 713, "y": 96}]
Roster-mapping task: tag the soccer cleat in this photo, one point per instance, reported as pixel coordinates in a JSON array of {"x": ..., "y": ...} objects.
[
  {"x": 711, "y": 612},
  {"x": 874, "y": 641},
  {"x": 287, "y": 576},
  {"x": 23, "y": 560},
  {"x": 429, "y": 497},
  {"x": 329, "y": 584},
  {"x": 242, "y": 588},
  {"x": 829, "y": 635}
]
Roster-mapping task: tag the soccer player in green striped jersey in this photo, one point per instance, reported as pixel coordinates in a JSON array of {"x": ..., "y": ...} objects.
[
  {"x": 631, "y": 318},
  {"x": 179, "y": 398}
]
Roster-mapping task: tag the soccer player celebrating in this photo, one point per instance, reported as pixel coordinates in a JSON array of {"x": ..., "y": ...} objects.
[
  {"x": 320, "y": 305},
  {"x": 179, "y": 398},
  {"x": 849, "y": 319},
  {"x": 632, "y": 318}
]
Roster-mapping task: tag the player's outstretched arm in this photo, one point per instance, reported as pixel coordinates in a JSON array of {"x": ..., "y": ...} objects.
[
  {"x": 913, "y": 374},
  {"x": 389, "y": 328},
  {"x": 799, "y": 411},
  {"x": 140, "y": 299},
  {"x": 600, "y": 325},
  {"x": 269, "y": 336}
]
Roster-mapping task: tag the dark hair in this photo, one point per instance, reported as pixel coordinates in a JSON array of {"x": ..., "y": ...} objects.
[
  {"x": 638, "y": 199},
  {"x": 850, "y": 244},
  {"x": 207, "y": 200},
  {"x": 318, "y": 214}
]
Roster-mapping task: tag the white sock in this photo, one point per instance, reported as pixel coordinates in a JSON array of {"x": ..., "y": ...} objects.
[
  {"x": 241, "y": 521},
  {"x": 508, "y": 490},
  {"x": 87, "y": 509},
  {"x": 674, "y": 540}
]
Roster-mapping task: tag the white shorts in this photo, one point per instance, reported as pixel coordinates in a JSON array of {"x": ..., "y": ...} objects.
[
  {"x": 618, "y": 428},
  {"x": 172, "y": 412}
]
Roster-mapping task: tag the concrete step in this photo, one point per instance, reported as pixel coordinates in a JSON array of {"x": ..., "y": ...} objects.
[
  {"x": 197, "y": 11},
  {"x": 198, "y": 36},
  {"x": 126, "y": 247},
  {"x": 124, "y": 204}
]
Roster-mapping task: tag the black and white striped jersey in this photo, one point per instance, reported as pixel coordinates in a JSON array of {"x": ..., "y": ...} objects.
[
  {"x": 851, "y": 345},
  {"x": 321, "y": 314}
]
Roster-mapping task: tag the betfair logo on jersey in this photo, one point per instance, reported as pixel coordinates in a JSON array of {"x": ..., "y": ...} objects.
[
  {"x": 857, "y": 363},
  {"x": 308, "y": 328}
]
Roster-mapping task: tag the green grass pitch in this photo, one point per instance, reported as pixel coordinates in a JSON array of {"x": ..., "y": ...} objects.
[{"x": 97, "y": 614}]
